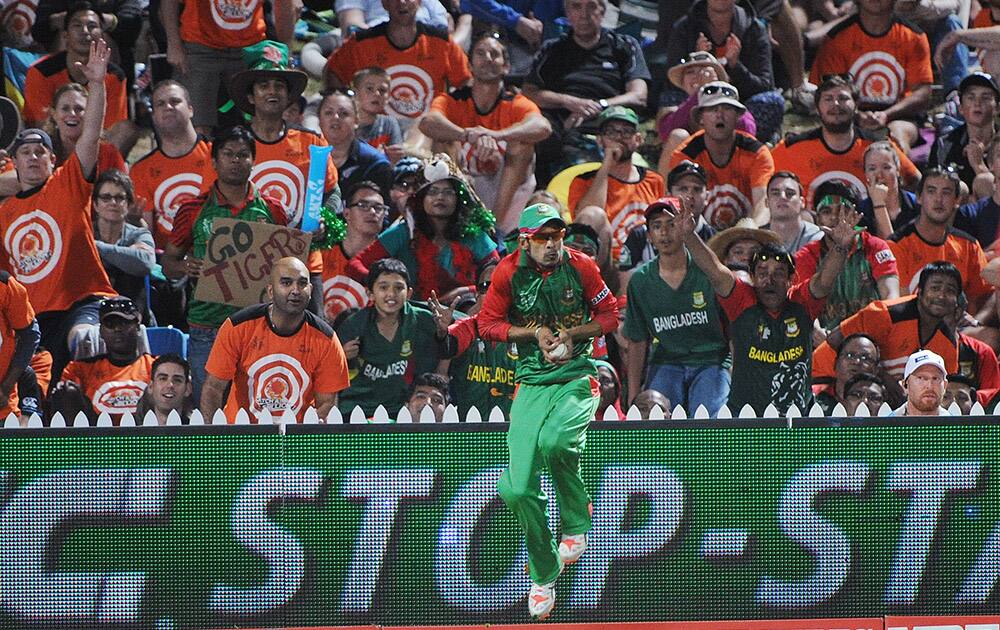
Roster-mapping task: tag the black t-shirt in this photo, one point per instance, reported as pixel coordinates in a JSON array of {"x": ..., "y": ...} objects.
[
  {"x": 600, "y": 72},
  {"x": 950, "y": 149}
]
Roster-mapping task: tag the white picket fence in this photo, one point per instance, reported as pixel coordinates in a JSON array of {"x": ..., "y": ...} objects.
[{"x": 403, "y": 416}]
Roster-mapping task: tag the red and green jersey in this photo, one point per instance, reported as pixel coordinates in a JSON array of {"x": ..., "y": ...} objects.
[
  {"x": 569, "y": 295},
  {"x": 193, "y": 228},
  {"x": 772, "y": 352},
  {"x": 382, "y": 372},
  {"x": 482, "y": 373}
]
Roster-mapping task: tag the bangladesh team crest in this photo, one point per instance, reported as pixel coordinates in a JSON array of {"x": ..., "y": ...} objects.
[
  {"x": 698, "y": 299},
  {"x": 791, "y": 327},
  {"x": 406, "y": 349}
]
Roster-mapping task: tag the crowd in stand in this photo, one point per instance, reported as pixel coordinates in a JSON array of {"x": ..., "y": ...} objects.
[{"x": 794, "y": 201}]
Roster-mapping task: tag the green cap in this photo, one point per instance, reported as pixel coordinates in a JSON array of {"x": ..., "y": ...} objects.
[
  {"x": 618, "y": 112},
  {"x": 536, "y": 216}
]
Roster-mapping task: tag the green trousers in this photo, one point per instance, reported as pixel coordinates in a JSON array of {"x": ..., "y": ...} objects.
[{"x": 548, "y": 428}]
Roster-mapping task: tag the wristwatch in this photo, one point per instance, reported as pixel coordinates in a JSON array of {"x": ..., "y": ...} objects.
[{"x": 603, "y": 103}]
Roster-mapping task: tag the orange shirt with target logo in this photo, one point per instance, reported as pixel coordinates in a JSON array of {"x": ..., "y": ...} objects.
[
  {"x": 808, "y": 156},
  {"x": 49, "y": 243},
  {"x": 885, "y": 68},
  {"x": 48, "y": 74},
  {"x": 275, "y": 372},
  {"x": 15, "y": 314},
  {"x": 163, "y": 183},
  {"x": 626, "y": 202},
  {"x": 459, "y": 107},
  {"x": 340, "y": 291},
  {"x": 281, "y": 170},
  {"x": 432, "y": 64},
  {"x": 109, "y": 387},
  {"x": 223, "y": 23},
  {"x": 730, "y": 186}
]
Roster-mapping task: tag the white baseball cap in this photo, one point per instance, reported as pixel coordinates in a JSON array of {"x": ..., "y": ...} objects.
[{"x": 920, "y": 358}]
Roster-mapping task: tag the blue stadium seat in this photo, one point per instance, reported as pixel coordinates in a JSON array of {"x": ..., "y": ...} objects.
[{"x": 167, "y": 339}]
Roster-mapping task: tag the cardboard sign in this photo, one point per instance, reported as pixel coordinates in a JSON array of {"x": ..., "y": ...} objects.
[{"x": 239, "y": 257}]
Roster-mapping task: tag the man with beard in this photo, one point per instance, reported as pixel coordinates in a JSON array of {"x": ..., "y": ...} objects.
[
  {"x": 612, "y": 199},
  {"x": 114, "y": 380},
  {"x": 835, "y": 150},
  {"x": 931, "y": 237},
  {"x": 875, "y": 39},
  {"x": 771, "y": 320},
  {"x": 904, "y": 325},
  {"x": 492, "y": 131},
  {"x": 277, "y": 356},
  {"x": 965, "y": 145},
  {"x": 231, "y": 196},
  {"x": 552, "y": 302},
  {"x": 924, "y": 381},
  {"x": 737, "y": 165}
]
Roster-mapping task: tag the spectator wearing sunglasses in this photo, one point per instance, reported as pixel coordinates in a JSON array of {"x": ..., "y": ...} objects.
[
  {"x": 869, "y": 273},
  {"x": 737, "y": 165},
  {"x": 405, "y": 182},
  {"x": 674, "y": 122},
  {"x": 890, "y": 62},
  {"x": 741, "y": 41},
  {"x": 836, "y": 149},
  {"x": 771, "y": 319},
  {"x": 364, "y": 215},
  {"x": 965, "y": 145},
  {"x": 931, "y": 237}
]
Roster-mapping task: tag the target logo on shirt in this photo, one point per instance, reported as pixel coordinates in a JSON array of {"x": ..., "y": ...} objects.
[
  {"x": 117, "y": 397},
  {"x": 35, "y": 245},
  {"x": 725, "y": 206},
  {"x": 277, "y": 382},
  {"x": 878, "y": 77},
  {"x": 340, "y": 294},
  {"x": 410, "y": 90},
  {"x": 233, "y": 15},
  {"x": 285, "y": 183},
  {"x": 171, "y": 193}
]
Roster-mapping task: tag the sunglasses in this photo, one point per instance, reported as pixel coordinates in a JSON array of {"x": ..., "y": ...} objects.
[
  {"x": 711, "y": 90},
  {"x": 543, "y": 239},
  {"x": 783, "y": 258},
  {"x": 696, "y": 57}
]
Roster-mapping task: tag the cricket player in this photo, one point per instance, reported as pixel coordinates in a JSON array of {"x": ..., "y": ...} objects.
[{"x": 551, "y": 302}]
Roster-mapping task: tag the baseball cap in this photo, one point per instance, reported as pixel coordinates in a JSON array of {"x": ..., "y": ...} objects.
[
  {"x": 685, "y": 168},
  {"x": 31, "y": 136},
  {"x": 919, "y": 359},
  {"x": 663, "y": 204},
  {"x": 717, "y": 93},
  {"x": 617, "y": 112},
  {"x": 407, "y": 166},
  {"x": 979, "y": 78},
  {"x": 119, "y": 306},
  {"x": 536, "y": 216}
]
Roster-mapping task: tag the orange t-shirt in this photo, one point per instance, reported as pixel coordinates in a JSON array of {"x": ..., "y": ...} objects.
[
  {"x": 223, "y": 23},
  {"x": 895, "y": 327},
  {"x": 49, "y": 73},
  {"x": 163, "y": 183},
  {"x": 49, "y": 241},
  {"x": 15, "y": 314},
  {"x": 730, "y": 186},
  {"x": 282, "y": 372},
  {"x": 340, "y": 291},
  {"x": 885, "y": 68},
  {"x": 808, "y": 156},
  {"x": 626, "y": 202},
  {"x": 984, "y": 19},
  {"x": 432, "y": 64},
  {"x": 111, "y": 388},
  {"x": 459, "y": 107},
  {"x": 912, "y": 252}
]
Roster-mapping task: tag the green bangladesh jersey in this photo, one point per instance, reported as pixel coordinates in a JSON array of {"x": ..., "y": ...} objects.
[
  {"x": 256, "y": 209},
  {"x": 382, "y": 372},
  {"x": 482, "y": 375},
  {"x": 772, "y": 352},
  {"x": 571, "y": 294},
  {"x": 683, "y": 324}
]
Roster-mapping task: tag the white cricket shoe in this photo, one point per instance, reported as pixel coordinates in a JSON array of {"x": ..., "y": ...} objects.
[
  {"x": 572, "y": 547},
  {"x": 541, "y": 600}
]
